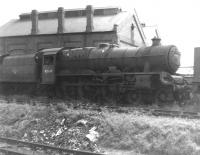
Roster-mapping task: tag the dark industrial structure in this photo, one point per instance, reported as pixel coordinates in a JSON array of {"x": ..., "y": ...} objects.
[
  {"x": 70, "y": 28},
  {"x": 99, "y": 52}
]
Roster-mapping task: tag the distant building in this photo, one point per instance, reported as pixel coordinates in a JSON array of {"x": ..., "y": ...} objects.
[{"x": 70, "y": 28}]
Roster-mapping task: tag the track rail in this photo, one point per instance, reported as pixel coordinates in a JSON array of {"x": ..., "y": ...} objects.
[
  {"x": 150, "y": 111},
  {"x": 173, "y": 113},
  {"x": 17, "y": 147}
]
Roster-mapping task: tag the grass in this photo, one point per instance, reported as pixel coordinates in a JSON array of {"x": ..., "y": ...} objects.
[
  {"x": 145, "y": 134},
  {"x": 134, "y": 132}
]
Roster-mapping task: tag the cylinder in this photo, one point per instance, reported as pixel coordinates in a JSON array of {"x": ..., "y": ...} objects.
[{"x": 196, "y": 78}]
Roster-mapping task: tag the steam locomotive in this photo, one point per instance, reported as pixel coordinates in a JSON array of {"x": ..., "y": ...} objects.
[{"x": 145, "y": 74}]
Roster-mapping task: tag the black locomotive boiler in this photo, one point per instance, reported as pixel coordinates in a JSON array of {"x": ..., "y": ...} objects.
[{"x": 145, "y": 74}]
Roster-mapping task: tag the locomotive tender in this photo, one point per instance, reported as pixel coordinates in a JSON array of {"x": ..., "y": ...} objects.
[{"x": 101, "y": 61}]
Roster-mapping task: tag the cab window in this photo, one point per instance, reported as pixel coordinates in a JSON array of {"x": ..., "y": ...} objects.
[{"x": 48, "y": 60}]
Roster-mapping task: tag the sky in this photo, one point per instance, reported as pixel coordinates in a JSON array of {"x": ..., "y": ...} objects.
[{"x": 177, "y": 20}]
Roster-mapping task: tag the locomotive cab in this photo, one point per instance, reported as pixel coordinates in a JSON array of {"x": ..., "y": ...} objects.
[{"x": 49, "y": 66}]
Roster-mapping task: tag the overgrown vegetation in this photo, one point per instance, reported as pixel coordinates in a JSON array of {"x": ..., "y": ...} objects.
[
  {"x": 62, "y": 126},
  {"x": 158, "y": 135}
]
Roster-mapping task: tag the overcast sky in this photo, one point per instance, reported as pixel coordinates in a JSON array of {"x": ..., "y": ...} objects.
[{"x": 177, "y": 20}]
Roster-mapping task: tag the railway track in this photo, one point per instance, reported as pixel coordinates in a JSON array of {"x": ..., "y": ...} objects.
[
  {"x": 119, "y": 109},
  {"x": 150, "y": 111},
  {"x": 171, "y": 113},
  {"x": 10, "y": 146}
]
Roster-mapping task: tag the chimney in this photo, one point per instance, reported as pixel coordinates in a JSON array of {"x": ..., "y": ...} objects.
[
  {"x": 89, "y": 15},
  {"x": 34, "y": 20},
  {"x": 61, "y": 18},
  {"x": 156, "y": 41},
  {"x": 115, "y": 27}
]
